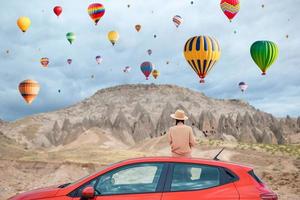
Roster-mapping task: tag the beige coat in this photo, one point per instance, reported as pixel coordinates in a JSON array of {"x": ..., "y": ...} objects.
[{"x": 181, "y": 139}]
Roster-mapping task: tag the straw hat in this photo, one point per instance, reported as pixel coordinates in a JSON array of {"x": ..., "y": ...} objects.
[{"x": 179, "y": 115}]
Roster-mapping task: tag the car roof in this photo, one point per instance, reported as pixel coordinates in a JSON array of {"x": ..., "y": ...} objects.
[{"x": 194, "y": 160}]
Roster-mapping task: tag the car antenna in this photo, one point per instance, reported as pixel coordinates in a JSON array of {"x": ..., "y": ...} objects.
[{"x": 216, "y": 157}]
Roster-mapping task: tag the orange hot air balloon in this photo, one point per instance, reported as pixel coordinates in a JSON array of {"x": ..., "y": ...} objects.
[
  {"x": 138, "y": 27},
  {"x": 29, "y": 89}
]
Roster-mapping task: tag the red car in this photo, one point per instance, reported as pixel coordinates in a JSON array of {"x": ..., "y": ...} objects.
[{"x": 161, "y": 178}]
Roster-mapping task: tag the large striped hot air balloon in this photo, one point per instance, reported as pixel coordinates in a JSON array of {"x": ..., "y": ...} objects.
[
  {"x": 177, "y": 20},
  {"x": 44, "y": 62},
  {"x": 29, "y": 89},
  {"x": 96, "y": 12},
  {"x": 230, "y": 8},
  {"x": 264, "y": 54},
  {"x": 155, "y": 73},
  {"x": 146, "y": 68},
  {"x": 202, "y": 53}
]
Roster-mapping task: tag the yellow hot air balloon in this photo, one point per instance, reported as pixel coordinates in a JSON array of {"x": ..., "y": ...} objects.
[
  {"x": 155, "y": 73},
  {"x": 202, "y": 53},
  {"x": 113, "y": 37},
  {"x": 29, "y": 89},
  {"x": 24, "y": 23}
]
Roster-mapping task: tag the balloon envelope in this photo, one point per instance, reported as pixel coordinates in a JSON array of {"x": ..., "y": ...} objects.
[
  {"x": 146, "y": 68},
  {"x": 113, "y": 37},
  {"x": 177, "y": 20},
  {"x": 24, "y": 23},
  {"x": 99, "y": 59},
  {"x": 69, "y": 61},
  {"x": 243, "y": 86},
  {"x": 71, "y": 37},
  {"x": 230, "y": 8},
  {"x": 57, "y": 10},
  {"x": 264, "y": 54},
  {"x": 29, "y": 89},
  {"x": 127, "y": 69},
  {"x": 44, "y": 62},
  {"x": 202, "y": 53},
  {"x": 155, "y": 73},
  {"x": 138, "y": 27},
  {"x": 96, "y": 12}
]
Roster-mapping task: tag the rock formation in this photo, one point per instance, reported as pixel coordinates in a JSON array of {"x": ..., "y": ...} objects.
[{"x": 133, "y": 113}]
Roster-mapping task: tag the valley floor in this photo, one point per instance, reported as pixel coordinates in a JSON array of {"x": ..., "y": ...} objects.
[{"x": 40, "y": 168}]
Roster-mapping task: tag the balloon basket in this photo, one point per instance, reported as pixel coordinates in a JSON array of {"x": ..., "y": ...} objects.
[{"x": 202, "y": 81}]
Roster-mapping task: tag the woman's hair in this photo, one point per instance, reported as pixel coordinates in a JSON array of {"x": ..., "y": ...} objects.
[{"x": 177, "y": 121}]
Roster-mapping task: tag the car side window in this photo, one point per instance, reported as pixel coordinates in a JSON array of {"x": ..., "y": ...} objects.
[
  {"x": 194, "y": 177},
  {"x": 138, "y": 178}
]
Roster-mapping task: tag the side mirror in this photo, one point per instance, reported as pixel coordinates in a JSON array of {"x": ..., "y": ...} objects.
[{"x": 88, "y": 193}]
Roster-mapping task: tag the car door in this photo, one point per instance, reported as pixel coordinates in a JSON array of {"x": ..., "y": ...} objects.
[
  {"x": 143, "y": 181},
  {"x": 195, "y": 181}
]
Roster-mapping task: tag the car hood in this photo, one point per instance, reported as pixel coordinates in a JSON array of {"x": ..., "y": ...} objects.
[{"x": 37, "y": 193}]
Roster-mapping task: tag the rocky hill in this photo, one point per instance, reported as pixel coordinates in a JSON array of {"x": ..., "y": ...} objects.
[{"x": 133, "y": 113}]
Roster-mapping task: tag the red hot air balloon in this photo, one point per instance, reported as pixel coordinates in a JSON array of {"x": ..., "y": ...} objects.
[
  {"x": 57, "y": 10},
  {"x": 230, "y": 8}
]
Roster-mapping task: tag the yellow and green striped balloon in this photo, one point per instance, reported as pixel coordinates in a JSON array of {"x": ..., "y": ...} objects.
[
  {"x": 264, "y": 54},
  {"x": 202, "y": 53}
]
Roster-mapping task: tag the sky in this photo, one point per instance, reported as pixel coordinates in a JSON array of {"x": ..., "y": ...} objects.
[{"x": 277, "y": 93}]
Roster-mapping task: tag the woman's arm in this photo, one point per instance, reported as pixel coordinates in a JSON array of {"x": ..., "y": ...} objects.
[
  {"x": 170, "y": 136},
  {"x": 192, "y": 138}
]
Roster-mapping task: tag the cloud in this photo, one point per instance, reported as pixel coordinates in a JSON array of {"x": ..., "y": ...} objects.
[{"x": 277, "y": 93}]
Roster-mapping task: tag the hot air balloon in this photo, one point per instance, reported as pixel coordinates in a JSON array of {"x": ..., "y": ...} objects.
[
  {"x": 243, "y": 86},
  {"x": 264, "y": 54},
  {"x": 177, "y": 20},
  {"x": 202, "y": 53},
  {"x": 7, "y": 51},
  {"x": 149, "y": 51},
  {"x": 192, "y": 2},
  {"x": 29, "y": 89},
  {"x": 58, "y": 91},
  {"x": 44, "y": 62},
  {"x": 71, "y": 37},
  {"x": 99, "y": 59},
  {"x": 146, "y": 68},
  {"x": 127, "y": 69},
  {"x": 154, "y": 35},
  {"x": 113, "y": 37},
  {"x": 24, "y": 23},
  {"x": 128, "y": 6},
  {"x": 168, "y": 62},
  {"x": 230, "y": 8},
  {"x": 96, "y": 12},
  {"x": 155, "y": 73},
  {"x": 138, "y": 27},
  {"x": 57, "y": 10},
  {"x": 69, "y": 61}
]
